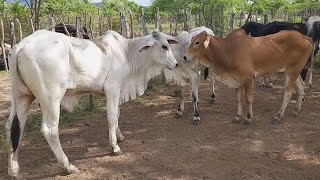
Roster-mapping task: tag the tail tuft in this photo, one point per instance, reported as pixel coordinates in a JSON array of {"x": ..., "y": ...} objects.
[
  {"x": 15, "y": 133},
  {"x": 206, "y": 73}
]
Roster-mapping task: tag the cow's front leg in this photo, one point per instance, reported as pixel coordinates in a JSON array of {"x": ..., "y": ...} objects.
[
  {"x": 248, "y": 86},
  {"x": 212, "y": 81},
  {"x": 181, "y": 103},
  {"x": 239, "y": 93},
  {"x": 113, "y": 95},
  {"x": 195, "y": 85}
]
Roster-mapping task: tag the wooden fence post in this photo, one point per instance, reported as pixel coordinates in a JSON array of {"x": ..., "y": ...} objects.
[
  {"x": 170, "y": 26},
  {"x": 158, "y": 20},
  {"x": 185, "y": 20},
  {"x": 19, "y": 29},
  {"x": 131, "y": 24},
  {"x": 175, "y": 26},
  {"x": 232, "y": 21},
  {"x": 100, "y": 25},
  {"x": 212, "y": 24},
  {"x": 240, "y": 19},
  {"x": 79, "y": 32},
  {"x": 265, "y": 19},
  {"x": 12, "y": 33},
  {"x": 64, "y": 27},
  {"x": 2, "y": 45},
  {"x": 90, "y": 27},
  {"x": 51, "y": 24},
  {"x": 143, "y": 22},
  {"x": 32, "y": 26},
  {"x": 221, "y": 21},
  {"x": 124, "y": 25},
  {"x": 109, "y": 23}
]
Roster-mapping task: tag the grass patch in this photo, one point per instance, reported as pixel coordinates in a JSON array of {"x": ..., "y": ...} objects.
[
  {"x": 4, "y": 73},
  {"x": 3, "y": 138}
]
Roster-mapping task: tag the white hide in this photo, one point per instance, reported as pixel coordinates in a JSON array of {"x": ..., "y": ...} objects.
[{"x": 84, "y": 68}]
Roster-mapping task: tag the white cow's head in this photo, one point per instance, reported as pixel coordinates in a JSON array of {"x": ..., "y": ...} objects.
[
  {"x": 313, "y": 26},
  {"x": 158, "y": 49}
]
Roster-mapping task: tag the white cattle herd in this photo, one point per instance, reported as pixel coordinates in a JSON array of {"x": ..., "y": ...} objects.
[{"x": 57, "y": 70}]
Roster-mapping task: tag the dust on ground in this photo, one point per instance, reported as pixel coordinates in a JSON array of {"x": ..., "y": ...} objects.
[{"x": 158, "y": 146}]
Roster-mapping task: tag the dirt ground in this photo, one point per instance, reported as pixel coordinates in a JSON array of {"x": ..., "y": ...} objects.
[{"x": 158, "y": 146}]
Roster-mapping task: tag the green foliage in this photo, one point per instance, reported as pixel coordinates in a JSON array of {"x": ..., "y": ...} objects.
[{"x": 114, "y": 7}]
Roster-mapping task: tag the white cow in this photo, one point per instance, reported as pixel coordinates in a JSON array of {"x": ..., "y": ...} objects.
[
  {"x": 57, "y": 70},
  {"x": 187, "y": 71}
]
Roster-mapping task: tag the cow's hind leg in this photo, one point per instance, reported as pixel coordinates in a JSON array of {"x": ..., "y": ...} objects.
[
  {"x": 50, "y": 106},
  {"x": 195, "y": 86},
  {"x": 300, "y": 93},
  {"x": 239, "y": 93},
  {"x": 290, "y": 81},
  {"x": 248, "y": 86},
  {"x": 181, "y": 103},
  {"x": 120, "y": 137},
  {"x": 14, "y": 130}
]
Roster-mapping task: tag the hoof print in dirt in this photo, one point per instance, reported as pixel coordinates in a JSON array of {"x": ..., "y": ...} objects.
[
  {"x": 196, "y": 122},
  {"x": 178, "y": 115},
  {"x": 247, "y": 123}
]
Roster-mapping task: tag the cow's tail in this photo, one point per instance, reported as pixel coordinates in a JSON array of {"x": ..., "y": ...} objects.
[
  {"x": 206, "y": 73},
  {"x": 311, "y": 65},
  {"x": 14, "y": 127}
]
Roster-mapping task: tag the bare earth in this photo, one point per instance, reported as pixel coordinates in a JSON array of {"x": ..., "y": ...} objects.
[{"x": 158, "y": 146}]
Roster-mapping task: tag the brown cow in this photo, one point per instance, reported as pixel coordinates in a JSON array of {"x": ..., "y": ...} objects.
[{"x": 237, "y": 59}]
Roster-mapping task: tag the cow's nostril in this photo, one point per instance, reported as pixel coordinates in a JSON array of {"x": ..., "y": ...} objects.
[
  {"x": 177, "y": 65},
  {"x": 184, "y": 57}
]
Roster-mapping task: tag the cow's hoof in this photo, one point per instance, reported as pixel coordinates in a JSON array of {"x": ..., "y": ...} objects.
[
  {"x": 178, "y": 115},
  {"x": 246, "y": 122},
  {"x": 120, "y": 139},
  {"x": 212, "y": 100},
  {"x": 20, "y": 177},
  {"x": 276, "y": 120},
  {"x": 269, "y": 85},
  {"x": 118, "y": 153},
  {"x": 72, "y": 169},
  {"x": 294, "y": 114}
]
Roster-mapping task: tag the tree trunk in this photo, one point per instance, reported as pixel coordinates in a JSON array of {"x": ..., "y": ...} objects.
[
  {"x": 79, "y": 31},
  {"x": 90, "y": 27},
  {"x": 100, "y": 25},
  {"x": 170, "y": 26},
  {"x": 175, "y": 26}
]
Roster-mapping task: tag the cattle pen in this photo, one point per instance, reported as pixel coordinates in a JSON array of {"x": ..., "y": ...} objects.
[{"x": 159, "y": 144}]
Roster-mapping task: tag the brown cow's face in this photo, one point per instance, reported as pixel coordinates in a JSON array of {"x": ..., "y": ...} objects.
[{"x": 197, "y": 48}]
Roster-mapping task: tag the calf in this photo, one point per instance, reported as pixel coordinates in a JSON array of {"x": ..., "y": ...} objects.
[
  {"x": 187, "y": 71},
  {"x": 237, "y": 59}
]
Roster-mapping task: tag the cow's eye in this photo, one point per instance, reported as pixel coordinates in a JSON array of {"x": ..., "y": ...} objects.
[
  {"x": 197, "y": 42},
  {"x": 165, "y": 47}
]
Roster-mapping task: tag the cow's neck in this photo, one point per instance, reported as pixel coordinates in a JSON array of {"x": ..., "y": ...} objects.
[
  {"x": 218, "y": 55},
  {"x": 142, "y": 69}
]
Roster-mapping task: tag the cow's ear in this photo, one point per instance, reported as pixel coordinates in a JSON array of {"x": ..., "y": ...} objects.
[
  {"x": 171, "y": 39},
  {"x": 146, "y": 46},
  {"x": 207, "y": 41}
]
